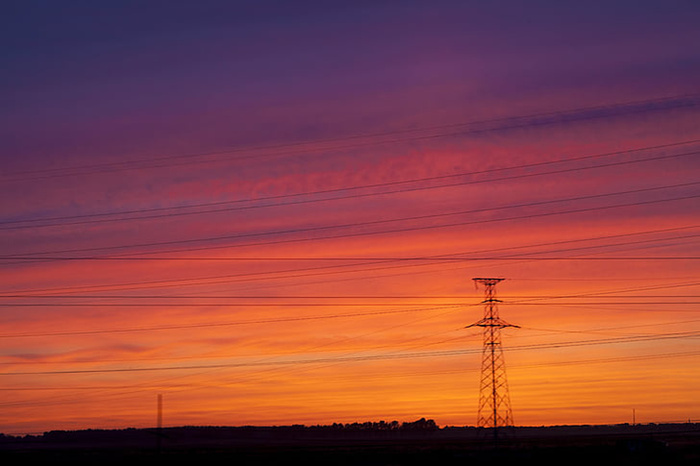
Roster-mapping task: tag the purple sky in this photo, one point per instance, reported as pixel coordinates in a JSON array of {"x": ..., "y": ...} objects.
[{"x": 131, "y": 79}]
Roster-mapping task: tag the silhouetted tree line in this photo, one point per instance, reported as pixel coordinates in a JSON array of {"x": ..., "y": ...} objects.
[
  {"x": 421, "y": 424},
  {"x": 356, "y": 428}
]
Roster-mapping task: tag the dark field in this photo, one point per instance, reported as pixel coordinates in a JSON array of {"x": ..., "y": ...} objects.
[{"x": 357, "y": 445}]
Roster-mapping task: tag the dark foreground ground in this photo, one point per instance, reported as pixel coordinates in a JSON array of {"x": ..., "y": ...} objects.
[{"x": 661, "y": 444}]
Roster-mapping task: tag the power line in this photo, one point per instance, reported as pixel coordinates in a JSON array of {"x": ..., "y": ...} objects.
[
  {"x": 362, "y": 314},
  {"x": 373, "y": 260},
  {"x": 610, "y": 360},
  {"x": 325, "y": 297},
  {"x": 678, "y": 354},
  {"x": 181, "y": 377},
  {"x": 86, "y": 218},
  {"x": 256, "y": 305},
  {"x": 317, "y": 347},
  {"x": 233, "y": 297},
  {"x": 228, "y": 324},
  {"x": 582, "y": 113},
  {"x": 626, "y": 290},
  {"x": 524, "y": 300},
  {"x": 29, "y": 256},
  {"x": 426, "y": 354},
  {"x": 523, "y": 258},
  {"x": 151, "y": 385}
]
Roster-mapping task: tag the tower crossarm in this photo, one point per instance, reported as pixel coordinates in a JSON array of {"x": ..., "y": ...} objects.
[{"x": 492, "y": 322}]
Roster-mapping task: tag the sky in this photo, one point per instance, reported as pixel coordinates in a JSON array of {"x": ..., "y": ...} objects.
[{"x": 271, "y": 213}]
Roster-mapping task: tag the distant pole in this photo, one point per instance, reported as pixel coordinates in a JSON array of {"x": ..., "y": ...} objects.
[
  {"x": 634, "y": 417},
  {"x": 494, "y": 400},
  {"x": 159, "y": 421}
]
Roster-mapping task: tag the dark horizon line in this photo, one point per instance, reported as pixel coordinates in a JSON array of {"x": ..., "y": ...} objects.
[{"x": 336, "y": 425}]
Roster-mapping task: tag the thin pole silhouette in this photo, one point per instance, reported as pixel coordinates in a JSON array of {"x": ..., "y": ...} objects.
[{"x": 159, "y": 422}]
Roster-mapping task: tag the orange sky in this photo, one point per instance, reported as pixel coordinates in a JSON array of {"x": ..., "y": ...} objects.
[{"x": 313, "y": 264}]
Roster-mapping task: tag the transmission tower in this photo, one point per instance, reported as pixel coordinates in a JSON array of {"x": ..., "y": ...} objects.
[{"x": 494, "y": 400}]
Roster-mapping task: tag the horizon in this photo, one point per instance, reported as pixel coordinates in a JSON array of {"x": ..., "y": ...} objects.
[
  {"x": 372, "y": 423},
  {"x": 372, "y": 426}
]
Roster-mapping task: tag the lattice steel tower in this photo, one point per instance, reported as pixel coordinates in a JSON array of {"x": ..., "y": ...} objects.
[{"x": 494, "y": 400}]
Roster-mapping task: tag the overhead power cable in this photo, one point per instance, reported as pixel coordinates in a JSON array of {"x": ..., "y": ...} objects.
[
  {"x": 234, "y": 205},
  {"x": 354, "y": 262},
  {"x": 645, "y": 357},
  {"x": 42, "y": 255},
  {"x": 231, "y": 304},
  {"x": 328, "y": 317},
  {"x": 230, "y": 323},
  {"x": 332, "y": 298},
  {"x": 477, "y": 127},
  {"x": 403, "y": 355}
]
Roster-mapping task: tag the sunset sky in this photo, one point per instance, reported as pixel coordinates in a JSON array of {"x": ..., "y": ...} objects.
[{"x": 270, "y": 213}]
